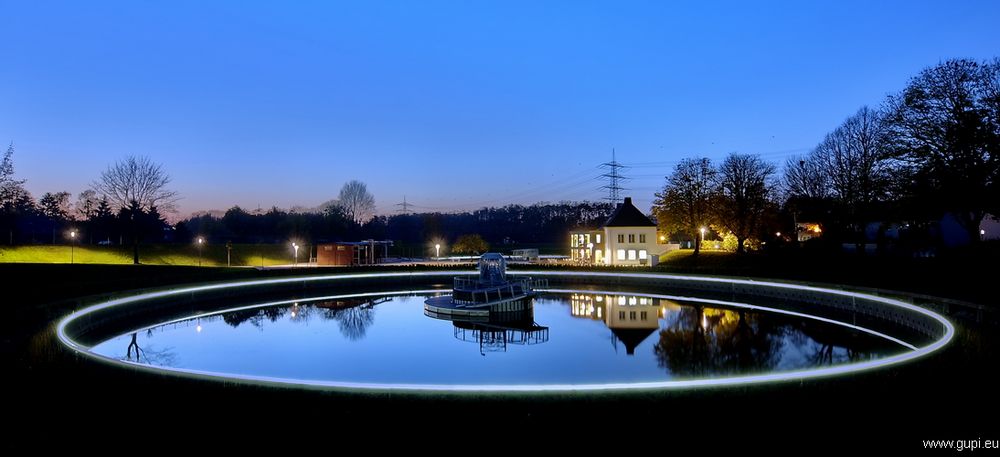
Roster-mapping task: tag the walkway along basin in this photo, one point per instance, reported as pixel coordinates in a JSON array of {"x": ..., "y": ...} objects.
[{"x": 906, "y": 332}]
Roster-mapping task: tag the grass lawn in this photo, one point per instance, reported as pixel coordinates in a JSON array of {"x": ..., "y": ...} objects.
[{"x": 155, "y": 254}]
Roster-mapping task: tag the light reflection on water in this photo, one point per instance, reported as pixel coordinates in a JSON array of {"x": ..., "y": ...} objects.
[{"x": 569, "y": 338}]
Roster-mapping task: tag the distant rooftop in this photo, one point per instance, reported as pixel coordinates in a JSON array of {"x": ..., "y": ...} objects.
[{"x": 627, "y": 215}]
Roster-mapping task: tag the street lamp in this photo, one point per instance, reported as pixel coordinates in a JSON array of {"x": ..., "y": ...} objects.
[
  {"x": 72, "y": 245},
  {"x": 201, "y": 241},
  {"x": 778, "y": 234},
  {"x": 295, "y": 246},
  {"x": 703, "y": 235},
  {"x": 437, "y": 251}
]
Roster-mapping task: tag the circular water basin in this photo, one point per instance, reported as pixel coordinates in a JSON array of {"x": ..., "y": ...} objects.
[{"x": 581, "y": 338}]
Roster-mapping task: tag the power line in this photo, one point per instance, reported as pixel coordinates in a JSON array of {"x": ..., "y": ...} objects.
[
  {"x": 614, "y": 178},
  {"x": 404, "y": 207}
]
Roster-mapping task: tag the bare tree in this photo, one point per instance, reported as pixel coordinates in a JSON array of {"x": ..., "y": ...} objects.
[
  {"x": 136, "y": 182},
  {"x": 745, "y": 194},
  {"x": 685, "y": 203},
  {"x": 946, "y": 123},
  {"x": 137, "y": 186},
  {"x": 804, "y": 178},
  {"x": 858, "y": 163},
  {"x": 357, "y": 203}
]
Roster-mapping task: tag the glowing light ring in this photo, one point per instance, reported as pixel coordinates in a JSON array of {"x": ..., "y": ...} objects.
[{"x": 794, "y": 375}]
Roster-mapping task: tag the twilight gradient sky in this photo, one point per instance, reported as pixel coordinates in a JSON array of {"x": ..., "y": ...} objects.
[{"x": 456, "y": 104}]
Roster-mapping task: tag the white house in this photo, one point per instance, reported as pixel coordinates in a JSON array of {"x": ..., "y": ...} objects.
[{"x": 627, "y": 238}]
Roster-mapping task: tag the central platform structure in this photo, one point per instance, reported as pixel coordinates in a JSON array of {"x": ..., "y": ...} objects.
[{"x": 487, "y": 295}]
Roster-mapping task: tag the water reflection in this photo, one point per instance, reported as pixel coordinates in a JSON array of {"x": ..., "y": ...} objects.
[
  {"x": 563, "y": 338},
  {"x": 354, "y": 315},
  {"x": 149, "y": 355},
  {"x": 631, "y": 319},
  {"x": 698, "y": 340},
  {"x": 495, "y": 333}
]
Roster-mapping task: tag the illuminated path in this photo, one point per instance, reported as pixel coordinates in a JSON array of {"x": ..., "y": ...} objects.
[{"x": 948, "y": 332}]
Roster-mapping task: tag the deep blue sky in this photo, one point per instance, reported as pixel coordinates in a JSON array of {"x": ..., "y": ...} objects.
[{"x": 454, "y": 104}]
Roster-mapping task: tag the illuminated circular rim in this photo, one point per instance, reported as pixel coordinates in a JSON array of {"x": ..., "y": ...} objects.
[{"x": 792, "y": 375}]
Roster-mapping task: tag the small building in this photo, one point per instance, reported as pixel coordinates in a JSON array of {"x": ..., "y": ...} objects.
[
  {"x": 531, "y": 255},
  {"x": 627, "y": 238},
  {"x": 806, "y": 231},
  {"x": 345, "y": 253}
]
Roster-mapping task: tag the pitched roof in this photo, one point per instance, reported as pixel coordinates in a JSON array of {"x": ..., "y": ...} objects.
[{"x": 627, "y": 215}]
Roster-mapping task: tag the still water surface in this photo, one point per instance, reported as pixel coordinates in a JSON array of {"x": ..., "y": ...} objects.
[{"x": 569, "y": 338}]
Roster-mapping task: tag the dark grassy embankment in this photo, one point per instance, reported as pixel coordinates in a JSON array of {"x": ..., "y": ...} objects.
[{"x": 59, "y": 394}]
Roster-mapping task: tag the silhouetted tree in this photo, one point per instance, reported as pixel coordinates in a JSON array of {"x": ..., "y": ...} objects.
[
  {"x": 745, "y": 194},
  {"x": 136, "y": 185},
  {"x": 358, "y": 204},
  {"x": 859, "y": 166},
  {"x": 685, "y": 203},
  {"x": 946, "y": 123}
]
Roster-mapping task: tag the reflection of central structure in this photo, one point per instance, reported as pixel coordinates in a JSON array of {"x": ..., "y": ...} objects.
[
  {"x": 490, "y": 293},
  {"x": 492, "y": 309}
]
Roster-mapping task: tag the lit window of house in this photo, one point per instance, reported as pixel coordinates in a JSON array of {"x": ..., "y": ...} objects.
[
  {"x": 631, "y": 254},
  {"x": 620, "y": 254},
  {"x": 598, "y": 238},
  {"x": 643, "y": 254}
]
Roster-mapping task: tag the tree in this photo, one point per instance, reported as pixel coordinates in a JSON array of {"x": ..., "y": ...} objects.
[
  {"x": 136, "y": 186},
  {"x": 946, "y": 123},
  {"x": 804, "y": 179},
  {"x": 86, "y": 204},
  {"x": 136, "y": 180},
  {"x": 470, "y": 244},
  {"x": 744, "y": 195},
  {"x": 56, "y": 206},
  {"x": 858, "y": 168},
  {"x": 15, "y": 200},
  {"x": 685, "y": 203},
  {"x": 357, "y": 203}
]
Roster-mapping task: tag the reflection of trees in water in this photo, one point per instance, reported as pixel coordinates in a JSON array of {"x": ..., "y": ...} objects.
[
  {"x": 698, "y": 341},
  {"x": 353, "y": 316},
  {"x": 148, "y": 355},
  {"x": 830, "y": 346},
  {"x": 353, "y": 321},
  {"x": 255, "y": 316}
]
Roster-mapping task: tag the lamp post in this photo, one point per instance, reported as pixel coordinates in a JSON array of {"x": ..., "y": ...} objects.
[
  {"x": 72, "y": 245},
  {"x": 295, "y": 247},
  {"x": 437, "y": 251},
  {"x": 201, "y": 241}
]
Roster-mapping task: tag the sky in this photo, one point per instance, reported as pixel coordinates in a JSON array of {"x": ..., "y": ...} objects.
[{"x": 454, "y": 105}]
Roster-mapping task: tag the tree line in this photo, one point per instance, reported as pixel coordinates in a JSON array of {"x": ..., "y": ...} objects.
[{"x": 930, "y": 150}]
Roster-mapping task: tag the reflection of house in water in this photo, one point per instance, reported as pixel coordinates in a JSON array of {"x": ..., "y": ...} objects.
[{"x": 631, "y": 318}]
